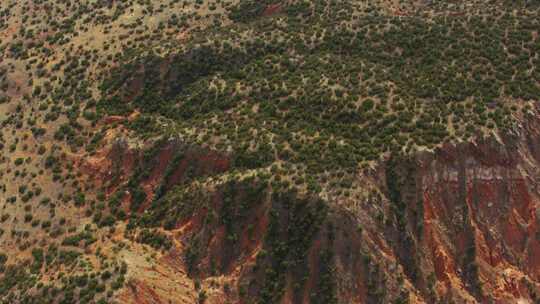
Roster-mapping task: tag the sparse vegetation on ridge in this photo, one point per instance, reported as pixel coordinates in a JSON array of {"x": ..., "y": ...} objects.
[{"x": 290, "y": 102}]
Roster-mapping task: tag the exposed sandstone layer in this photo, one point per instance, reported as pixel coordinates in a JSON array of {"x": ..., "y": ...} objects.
[{"x": 457, "y": 225}]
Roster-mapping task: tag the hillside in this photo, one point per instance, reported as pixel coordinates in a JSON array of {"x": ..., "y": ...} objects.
[{"x": 270, "y": 151}]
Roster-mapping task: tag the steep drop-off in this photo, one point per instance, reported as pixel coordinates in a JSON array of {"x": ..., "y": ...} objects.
[{"x": 457, "y": 225}]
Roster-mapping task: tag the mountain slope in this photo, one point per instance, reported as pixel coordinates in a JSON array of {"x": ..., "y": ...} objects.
[{"x": 269, "y": 151}]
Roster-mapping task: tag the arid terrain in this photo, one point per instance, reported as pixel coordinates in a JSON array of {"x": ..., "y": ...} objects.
[{"x": 269, "y": 151}]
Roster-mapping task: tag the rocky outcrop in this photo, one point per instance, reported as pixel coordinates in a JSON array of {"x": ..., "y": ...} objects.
[
  {"x": 457, "y": 225},
  {"x": 480, "y": 205},
  {"x": 469, "y": 214}
]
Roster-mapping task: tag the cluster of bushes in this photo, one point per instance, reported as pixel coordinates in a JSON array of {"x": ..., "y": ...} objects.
[
  {"x": 401, "y": 187},
  {"x": 348, "y": 96},
  {"x": 87, "y": 237},
  {"x": 248, "y": 10},
  {"x": 81, "y": 286},
  {"x": 154, "y": 238},
  {"x": 293, "y": 225}
]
